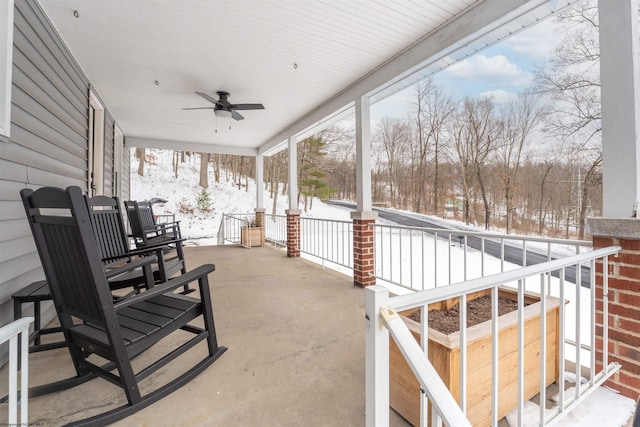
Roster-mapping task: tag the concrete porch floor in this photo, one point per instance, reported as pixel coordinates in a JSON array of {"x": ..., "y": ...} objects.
[{"x": 295, "y": 334}]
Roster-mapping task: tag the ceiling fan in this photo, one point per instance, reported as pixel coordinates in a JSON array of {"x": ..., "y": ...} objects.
[{"x": 223, "y": 108}]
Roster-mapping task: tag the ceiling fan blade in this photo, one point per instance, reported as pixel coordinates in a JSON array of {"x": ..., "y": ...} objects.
[
  {"x": 210, "y": 99},
  {"x": 235, "y": 115},
  {"x": 199, "y": 108},
  {"x": 247, "y": 106}
]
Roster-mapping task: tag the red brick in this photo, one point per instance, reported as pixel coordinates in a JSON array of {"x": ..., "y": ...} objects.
[
  {"x": 624, "y": 338},
  {"x": 628, "y": 298},
  {"x": 629, "y": 258},
  {"x": 628, "y": 245},
  {"x": 631, "y": 325},
  {"x": 599, "y": 305},
  {"x": 611, "y": 347},
  {"x": 627, "y": 352},
  {"x": 624, "y": 311},
  {"x": 603, "y": 242},
  {"x": 624, "y": 284},
  {"x": 631, "y": 381},
  {"x": 628, "y": 271},
  {"x": 627, "y": 366}
]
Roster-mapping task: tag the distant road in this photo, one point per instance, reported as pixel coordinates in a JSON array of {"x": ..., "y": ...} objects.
[{"x": 511, "y": 254}]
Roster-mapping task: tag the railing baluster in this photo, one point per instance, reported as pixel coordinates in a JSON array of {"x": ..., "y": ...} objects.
[
  {"x": 578, "y": 329},
  {"x": 463, "y": 352},
  {"x": 411, "y": 258},
  {"x": 424, "y": 343},
  {"x": 423, "y": 258},
  {"x": 482, "y": 253},
  {"x": 494, "y": 356},
  {"x": 561, "y": 330},
  {"x": 465, "y": 257},
  {"x": 520, "y": 352},
  {"x": 543, "y": 349},
  {"x": 400, "y": 263},
  {"x": 605, "y": 314},
  {"x": 435, "y": 260},
  {"x": 449, "y": 259},
  {"x": 592, "y": 286}
]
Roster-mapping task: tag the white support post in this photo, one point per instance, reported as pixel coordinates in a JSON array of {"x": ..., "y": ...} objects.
[
  {"x": 363, "y": 154},
  {"x": 620, "y": 91},
  {"x": 377, "y": 358},
  {"x": 260, "y": 181},
  {"x": 293, "y": 173}
]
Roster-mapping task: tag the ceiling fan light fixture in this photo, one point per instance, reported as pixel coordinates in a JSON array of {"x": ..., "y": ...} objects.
[{"x": 223, "y": 114}]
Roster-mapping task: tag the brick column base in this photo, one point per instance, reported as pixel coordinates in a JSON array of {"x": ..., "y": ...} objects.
[
  {"x": 364, "y": 249},
  {"x": 623, "y": 301},
  {"x": 293, "y": 233},
  {"x": 260, "y": 217}
]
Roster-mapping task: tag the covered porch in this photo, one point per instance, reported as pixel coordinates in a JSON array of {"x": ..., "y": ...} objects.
[
  {"x": 296, "y": 354},
  {"x": 276, "y": 371}
]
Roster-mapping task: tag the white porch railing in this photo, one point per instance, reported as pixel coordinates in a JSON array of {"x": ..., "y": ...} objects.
[
  {"x": 231, "y": 227},
  {"x": 230, "y": 230},
  {"x": 577, "y": 317},
  {"x": 17, "y": 333},
  {"x": 412, "y": 257},
  {"x": 327, "y": 239},
  {"x": 275, "y": 229}
]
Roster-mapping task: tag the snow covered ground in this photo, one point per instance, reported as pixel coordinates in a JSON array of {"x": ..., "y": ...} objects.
[{"x": 604, "y": 408}]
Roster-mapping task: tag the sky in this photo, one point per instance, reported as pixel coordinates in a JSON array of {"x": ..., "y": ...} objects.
[{"x": 501, "y": 71}]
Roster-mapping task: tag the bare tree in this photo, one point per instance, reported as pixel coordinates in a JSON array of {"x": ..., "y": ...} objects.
[
  {"x": 573, "y": 80},
  {"x": 480, "y": 134},
  {"x": 518, "y": 120},
  {"x": 391, "y": 137},
  {"x": 432, "y": 108},
  {"x": 462, "y": 152}
]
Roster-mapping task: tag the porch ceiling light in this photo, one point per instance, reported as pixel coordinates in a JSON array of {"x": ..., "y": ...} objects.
[{"x": 223, "y": 114}]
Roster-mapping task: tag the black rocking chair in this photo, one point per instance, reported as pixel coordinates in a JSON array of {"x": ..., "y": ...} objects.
[
  {"x": 114, "y": 331},
  {"x": 146, "y": 234},
  {"x": 113, "y": 245}
]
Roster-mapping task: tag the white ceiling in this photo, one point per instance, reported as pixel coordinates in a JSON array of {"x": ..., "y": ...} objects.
[{"x": 302, "y": 59}]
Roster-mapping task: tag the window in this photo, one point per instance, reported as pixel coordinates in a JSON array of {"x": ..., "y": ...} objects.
[{"x": 6, "y": 63}]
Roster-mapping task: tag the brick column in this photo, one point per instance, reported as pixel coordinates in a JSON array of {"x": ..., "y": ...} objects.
[
  {"x": 293, "y": 232},
  {"x": 260, "y": 217},
  {"x": 623, "y": 299},
  {"x": 364, "y": 249}
]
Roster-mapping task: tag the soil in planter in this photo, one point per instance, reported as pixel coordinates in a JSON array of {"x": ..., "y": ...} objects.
[{"x": 478, "y": 311}]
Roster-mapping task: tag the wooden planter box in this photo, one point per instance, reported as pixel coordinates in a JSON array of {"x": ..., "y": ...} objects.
[
  {"x": 444, "y": 354},
  {"x": 252, "y": 236}
]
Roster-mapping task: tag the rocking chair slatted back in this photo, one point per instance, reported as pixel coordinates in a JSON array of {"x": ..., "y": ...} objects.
[
  {"x": 69, "y": 254},
  {"x": 107, "y": 223}
]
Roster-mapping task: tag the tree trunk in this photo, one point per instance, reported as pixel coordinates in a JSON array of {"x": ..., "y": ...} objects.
[
  {"x": 141, "y": 155},
  {"x": 216, "y": 167},
  {"x": 204, "y": 170},
  {"x": 176, "y": 160}
]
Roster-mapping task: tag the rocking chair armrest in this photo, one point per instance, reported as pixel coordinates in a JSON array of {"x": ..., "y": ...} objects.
[
  {"x": 141, "y": 262},
  {"x": 167, "y": 286},
  {"x": 160, "y": 245},
  {"x": 142, "y": 251},
  {"x": 163, "y": 227}
]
